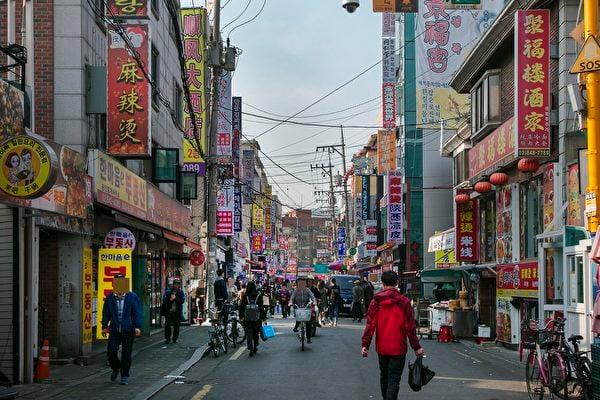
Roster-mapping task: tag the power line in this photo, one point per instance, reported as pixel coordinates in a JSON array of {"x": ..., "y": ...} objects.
[
  {"x": 250, "y": 20},
  {"x": 316, "y": 115},
  {"x": 239, "y": 16}
]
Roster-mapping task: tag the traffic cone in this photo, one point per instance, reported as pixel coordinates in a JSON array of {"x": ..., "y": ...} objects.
[{"x": 42, "y": 369}]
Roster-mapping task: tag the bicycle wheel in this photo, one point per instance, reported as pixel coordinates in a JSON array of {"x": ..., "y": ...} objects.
[
  {"x": 558, "y": 376},
  {"x": 302, "y": 335},
  {"x": 241, "y": 333},
  {"x": 535, "y": 387},
  {"x": 579, "y": 386},
  {"x": 214, "y": 344},
  {"x": 224, "y": 341}
]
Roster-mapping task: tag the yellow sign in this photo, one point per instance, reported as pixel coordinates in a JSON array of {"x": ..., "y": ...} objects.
[
  {"x": 27, "y": 167},
  {"x": 588, "y": 58},
  {"x": 87, "y": 288},
  {"x": 386, "y": 151},
  {"x": 111, "y": 262},
  {"x": 445, "y": 259},
  {"x": 258, "y": 216},
  {"x": 384, "y": 6}
]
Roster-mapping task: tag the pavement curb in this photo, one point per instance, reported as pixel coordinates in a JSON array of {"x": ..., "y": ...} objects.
[{"x": 159, "y": 385}]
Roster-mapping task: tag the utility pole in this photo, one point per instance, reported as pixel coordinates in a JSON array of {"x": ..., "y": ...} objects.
[
  {"x": 327, "y": 171},
  {"x": 592, "y": 84},
  {"x": 212, "y": 154},
  {"x": 345, "y": 183}
]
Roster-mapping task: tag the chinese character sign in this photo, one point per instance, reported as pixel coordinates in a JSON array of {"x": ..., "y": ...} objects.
[
  {"x": 236, "y": 124},
  {"x": 237, "y": 210},
  {"x": 224, "y": 139},
  {"x": 442, "y": 41},
  {"x": 111, "y": 262},
  {"x": 87, "y": 290},
  {"x": 495, "y": 149},
  {"x": 517, "y": 280},
  {"x": 395, "y": 220},
  {"x": 128, "y": 8},
  {"x": 247, "y": 176},
  {"x": 386, "y": 151},
  {"x": 194, "y": 43},
  {"x": 225, "y": 208},
  {"x": 128, "y": 94},
  {"x": 365, "y": 197},
  {"x": 467, "y": 231},
  {"x": 532, "y": 91}
]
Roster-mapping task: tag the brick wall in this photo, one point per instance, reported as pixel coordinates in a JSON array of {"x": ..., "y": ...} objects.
[
  {"x": 44, "y": 67},
  {"x": 48, "y": 285}
]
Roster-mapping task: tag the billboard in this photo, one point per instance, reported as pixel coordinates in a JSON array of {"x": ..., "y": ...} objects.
[{"x": 224, "y": 137}]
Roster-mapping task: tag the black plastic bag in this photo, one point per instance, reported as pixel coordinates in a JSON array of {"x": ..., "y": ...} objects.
[{"x": 419, "y": 375}]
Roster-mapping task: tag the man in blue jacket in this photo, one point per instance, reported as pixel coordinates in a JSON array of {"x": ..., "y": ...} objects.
[
  {"x": 172, "y": 310},
  {"x": 122, "y": 320}
]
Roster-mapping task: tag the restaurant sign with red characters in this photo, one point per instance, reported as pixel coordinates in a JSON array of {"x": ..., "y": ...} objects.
[
  {"x": 128, "y": 8},
  {"x": 532, "y": 94},
  {"x": 128, "y": 95},
  {"x": 467, "y": 231},
  {"x": 517, "y": 280}
]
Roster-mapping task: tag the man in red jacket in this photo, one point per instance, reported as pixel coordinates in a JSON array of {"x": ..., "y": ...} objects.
[{"x": 391, "y": 316}]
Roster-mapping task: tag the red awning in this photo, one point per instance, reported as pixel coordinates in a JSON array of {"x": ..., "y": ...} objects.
[
  {"x": 173, "y": 237},
  {"x": 193, "y": 245}
]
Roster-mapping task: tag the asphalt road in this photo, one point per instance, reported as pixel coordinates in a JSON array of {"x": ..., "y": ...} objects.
[{"x": 332, "y": 368}]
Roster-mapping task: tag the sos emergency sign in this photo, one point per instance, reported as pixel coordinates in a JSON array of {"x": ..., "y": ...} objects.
[{"x": 588, "y": 59}]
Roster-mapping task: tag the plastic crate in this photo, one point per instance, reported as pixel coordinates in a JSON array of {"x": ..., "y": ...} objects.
[{"x": 596, "y": 352}]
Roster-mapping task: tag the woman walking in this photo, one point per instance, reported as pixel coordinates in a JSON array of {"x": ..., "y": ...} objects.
[
  {"x": 324, "y": 303},
  {"x": 253, "y": 313}
]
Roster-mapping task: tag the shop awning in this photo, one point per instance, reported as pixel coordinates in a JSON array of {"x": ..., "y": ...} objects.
[
  {"x": 136, "y": 223},
  {"x": 193, "y": 245},
  {"x": 173, "y": 237},
  {"x": 470, "y": 267},
  {"x": 440, "y": 275}
]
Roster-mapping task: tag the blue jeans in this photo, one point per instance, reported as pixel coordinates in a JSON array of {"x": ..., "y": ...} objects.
[{"x": 334, "y": 310}]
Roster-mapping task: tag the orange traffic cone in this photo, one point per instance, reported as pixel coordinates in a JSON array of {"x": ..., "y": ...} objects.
[{"x": 42, "y": 369}]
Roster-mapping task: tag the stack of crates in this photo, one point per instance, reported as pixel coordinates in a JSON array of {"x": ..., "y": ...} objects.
[{"x": 596, "y": 370}]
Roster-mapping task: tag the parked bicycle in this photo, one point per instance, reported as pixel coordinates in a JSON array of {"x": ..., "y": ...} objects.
[
  {"x": 218, "y": 339},
  {"x": 553, "y": 366},
  {"x": 234, "y": 331},
  {"x": 303, "y": 315}
]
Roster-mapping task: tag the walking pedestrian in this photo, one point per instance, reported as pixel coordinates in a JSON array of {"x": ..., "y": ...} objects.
[
  {"x": 284, "y": 300},
  {"x": 335, "y": 299},
  {"x": 252, "y": 313},
  {"x": 391, "y": 319},
  {"x": 122, "y": 321},
  {"x": 172, "y": 310},
  {"x": 324, "y": 305},
  {"x": 357, "y": 301},
  {"x": 221, "y": 295},
  {"x": 369, "y": 294}
]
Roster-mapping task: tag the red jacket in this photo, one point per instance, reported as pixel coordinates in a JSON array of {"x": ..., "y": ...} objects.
[{"x": 391, "y": 316}]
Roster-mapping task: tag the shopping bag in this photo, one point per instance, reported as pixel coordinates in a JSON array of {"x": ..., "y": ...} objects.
[
  {"x": 419, "y": 375},
  {"x": 267, "y": 332}
]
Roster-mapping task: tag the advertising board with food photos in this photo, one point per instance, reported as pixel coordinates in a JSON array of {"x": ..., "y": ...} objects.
[
  {"x": 12, "y": 111},
  {"x": 517, "y": 280},
  {"x": 504, "y": 228}
]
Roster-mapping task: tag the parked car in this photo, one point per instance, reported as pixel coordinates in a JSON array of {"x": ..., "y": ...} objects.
[{"x": 346, "y": 282}]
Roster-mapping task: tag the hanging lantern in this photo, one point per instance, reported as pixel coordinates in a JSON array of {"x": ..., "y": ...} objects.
[
  {"x": 483, "y": 187},
  {"x": 499, "y": 179},
  {"x": 528, "y": 165},
  {"x": 462, "y": 198}
]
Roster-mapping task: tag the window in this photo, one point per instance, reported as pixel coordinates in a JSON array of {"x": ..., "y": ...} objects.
[
  {"x": 154, "y": 7},
  {"x": 178, "y": 103},
  {"x": 531, "y": 216},
  {"x": 155, "y": 72},
  {"x": 576, "y": 281},
  {"x": 485, "y": 103},
  {"x": 461, "y": 167}
]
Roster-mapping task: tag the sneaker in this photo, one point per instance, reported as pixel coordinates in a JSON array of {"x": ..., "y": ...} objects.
[
  {"x": 125, "y": 381},
  {"x": 114, "y": 375}
]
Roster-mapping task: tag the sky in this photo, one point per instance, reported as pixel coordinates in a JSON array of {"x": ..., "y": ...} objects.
[{"x": 293, "y": 53}]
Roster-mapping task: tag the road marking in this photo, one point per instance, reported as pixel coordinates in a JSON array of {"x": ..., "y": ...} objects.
[
  {"x": 475, "y": 360},
  {"x": 202, "y": 393},
  {"x": 237, "y": 354}
]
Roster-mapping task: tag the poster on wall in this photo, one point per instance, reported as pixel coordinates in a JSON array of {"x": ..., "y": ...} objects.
[
  {"x": 503, "y": 320},
  {"x": 574, "y": 198},
  {"x": 548, "y": 201},
  {"x": 111, "y": 262},
  {"x": 504, "y": 239},
  {"x": 224, "y": 137},
  {"x": 128, "y": 95},
  {"x": 194, "y": 44},
  {"x": 12, "y": 112},
  {"x": 449, "y": 36}
]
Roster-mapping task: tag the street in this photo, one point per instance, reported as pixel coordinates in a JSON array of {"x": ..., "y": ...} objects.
[{"x": 331, "y": 368}]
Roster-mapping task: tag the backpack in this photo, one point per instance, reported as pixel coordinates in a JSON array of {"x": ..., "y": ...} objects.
[{"x": 252, "y": 313}]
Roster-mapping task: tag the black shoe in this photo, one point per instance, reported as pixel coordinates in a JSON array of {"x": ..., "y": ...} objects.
[
  {"x": 114, "y": 375},
  {"x": 296, "y": 330},
  {"x": 167, "y": 341},
  {"x": 309, "y": 341},
  {"x": 174, "y": 341},
  {"x": 251, "y": 354}
]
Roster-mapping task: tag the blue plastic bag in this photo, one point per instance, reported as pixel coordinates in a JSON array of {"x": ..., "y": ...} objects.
[{"x": 267, "y": 332}]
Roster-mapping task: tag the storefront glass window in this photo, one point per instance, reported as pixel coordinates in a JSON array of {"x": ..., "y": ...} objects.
[
  {"x": 531, "y": 218},
  {"x": 554, "y": 275},
  {"x": 488, "y": 229},
  {"x": 576, "y": 280}
]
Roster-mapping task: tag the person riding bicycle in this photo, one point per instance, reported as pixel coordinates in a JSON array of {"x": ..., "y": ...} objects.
[{"x": 302, "y": 298}]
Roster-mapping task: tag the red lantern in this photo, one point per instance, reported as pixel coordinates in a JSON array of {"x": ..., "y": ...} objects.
[
  {"x": 483, "y": 187},
  {"x": 528, "y": 165},
  {"x": 499, "y": 179},
  {"x": 462, "y": 198}
]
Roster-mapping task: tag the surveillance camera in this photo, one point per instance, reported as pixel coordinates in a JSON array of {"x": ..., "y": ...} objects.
[{"x": 350, "y": 5}]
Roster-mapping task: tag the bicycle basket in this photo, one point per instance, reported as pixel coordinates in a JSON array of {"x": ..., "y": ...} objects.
[
  {"x": 303, "y": 314},
  {"x": 530, "y": 334}
]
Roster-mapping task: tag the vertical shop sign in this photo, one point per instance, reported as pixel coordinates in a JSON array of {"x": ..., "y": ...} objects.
[
  {"x": 388, "y": 24},
  {"x": 224, "y": 139},
  {"x": 127, "y": 8},
  {"x": 247, "y": 176},
  {"x": 365, "y": 193},
  {"x": 87, "y": 290},
  {"x": 225, "y": 208},
  {"x": 194, "y": 43},
  {"x": 236, "y": 125},
  {"x": 128, "y": 94},
  {"x": 258, "y": 216},
  {"x": 574, "y": 212},
  {"x": 504, "y": 238},
  {"x": 111, "y": 262},
  {"x": 386, "y": 151},
  {"x": 388, "y": 65},
  {"x": 467, "y": 231},
  {"x": 257, "y": 242},
  {"x": 548, "y": 201},
  {"x": 395, "y": 223},
  {"x": 237, "y": 209},
  {"x": 532, "y": 91}
]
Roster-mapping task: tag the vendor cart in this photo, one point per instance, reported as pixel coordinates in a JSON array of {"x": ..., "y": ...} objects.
[{"x": 424, "y": 319}]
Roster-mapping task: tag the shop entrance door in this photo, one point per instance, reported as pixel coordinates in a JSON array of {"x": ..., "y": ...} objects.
[{"x": 578, "y": 295}]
